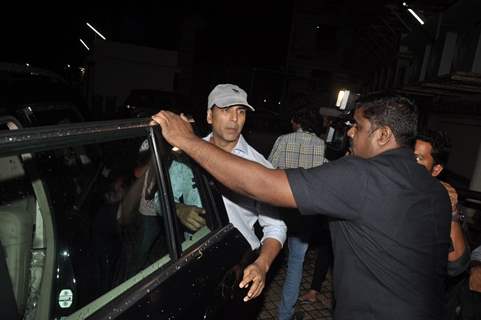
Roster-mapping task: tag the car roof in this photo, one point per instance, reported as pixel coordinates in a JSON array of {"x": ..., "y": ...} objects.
[{"x": 22, "y": 86}]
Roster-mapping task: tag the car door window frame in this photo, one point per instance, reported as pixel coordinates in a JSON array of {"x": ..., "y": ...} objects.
[{"x": 206, "y": 189}]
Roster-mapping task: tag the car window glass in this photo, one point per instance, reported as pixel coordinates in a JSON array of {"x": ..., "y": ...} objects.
[
  {"x": 193, "y": 220},
  {"x": 107, "y": 220},
  {"x": 107, "y": 227}
]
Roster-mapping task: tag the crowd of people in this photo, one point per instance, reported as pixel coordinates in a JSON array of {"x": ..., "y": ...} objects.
[{"x": 398, "y": 250}]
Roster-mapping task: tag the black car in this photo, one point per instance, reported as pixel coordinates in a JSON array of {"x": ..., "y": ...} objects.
[
  {"x": 146, "y": 102},
  {"x": 90, "y": 229},
  {"x": 36, "y": 97}
]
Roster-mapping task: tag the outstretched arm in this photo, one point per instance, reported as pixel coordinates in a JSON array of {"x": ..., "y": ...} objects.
[
  {"x": 255, "y": 273},
  {"x": 243, "y": 176}
]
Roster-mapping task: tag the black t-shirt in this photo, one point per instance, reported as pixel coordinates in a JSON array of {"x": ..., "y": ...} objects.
[{"x": 390, "y": 233}]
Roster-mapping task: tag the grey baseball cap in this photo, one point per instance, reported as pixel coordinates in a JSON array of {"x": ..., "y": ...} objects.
[{"x": 227, "y": 95}]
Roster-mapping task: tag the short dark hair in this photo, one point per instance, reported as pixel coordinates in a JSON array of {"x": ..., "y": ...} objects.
[
  {"x": 309, "y": 119},
  {"x": 396, "y": 112},
  {"x": 440, "y": 144}
]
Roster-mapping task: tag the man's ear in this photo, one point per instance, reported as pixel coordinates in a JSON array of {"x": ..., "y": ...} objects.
[
  {"x": 436, "y": 170},
  {"x": 384, "y": 136},
  {"x": 209, "y": 116}
]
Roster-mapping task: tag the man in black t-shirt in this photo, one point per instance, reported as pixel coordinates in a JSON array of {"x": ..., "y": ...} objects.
[{"x": 390, "y": 230}]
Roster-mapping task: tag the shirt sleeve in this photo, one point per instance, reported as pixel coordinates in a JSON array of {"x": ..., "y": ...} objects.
[
  {"x": 336, "y": 189},
  {"x": 273, "y": 226},
  {"x": 274, "y": 155},
  {"x": 179, "y": 179}
]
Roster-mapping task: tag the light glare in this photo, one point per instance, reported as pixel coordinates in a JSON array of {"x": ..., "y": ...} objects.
[
  {"x": 85, "y": 45},
  {"x": 95, "y": 30},
  {"x": 411, "y": 11}
]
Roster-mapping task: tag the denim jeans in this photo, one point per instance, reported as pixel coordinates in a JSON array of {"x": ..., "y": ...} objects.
[{"x": 290, "y": 290}]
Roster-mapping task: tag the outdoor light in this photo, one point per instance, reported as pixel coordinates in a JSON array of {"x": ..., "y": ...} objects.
[
  {"x": 339, "y": 97},
  {"x": 82, "y": 71},
  {"x": 346, "y": 100},
  {"x": 85, "y": 45},
  {"x": 411, "y": 11},
  {"x": 27, "y": 64},
  {"x": 91, "y": 27},
  {"x": 342, "y": 98}
]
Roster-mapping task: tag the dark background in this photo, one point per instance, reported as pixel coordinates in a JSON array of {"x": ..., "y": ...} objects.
[{"x": 285, "y": 54}]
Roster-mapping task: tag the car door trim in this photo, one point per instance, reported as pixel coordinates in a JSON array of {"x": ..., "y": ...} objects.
[{"x": 115, "y": 305}]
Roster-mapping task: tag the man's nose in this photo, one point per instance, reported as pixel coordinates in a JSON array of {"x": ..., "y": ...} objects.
[{"x": 233, "y": 115}]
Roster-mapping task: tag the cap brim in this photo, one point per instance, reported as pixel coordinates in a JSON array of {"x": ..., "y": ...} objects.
[
  {"x": 251, "y": 108},
  {"x": 239, "y": 104}
]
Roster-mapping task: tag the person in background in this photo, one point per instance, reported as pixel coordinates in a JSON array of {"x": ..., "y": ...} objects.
[
  {"x": 432, "y": 151},
  {"x": 301, "y": 149}
]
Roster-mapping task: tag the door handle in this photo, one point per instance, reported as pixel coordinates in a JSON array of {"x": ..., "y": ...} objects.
[{"x": 200, "y": 254}]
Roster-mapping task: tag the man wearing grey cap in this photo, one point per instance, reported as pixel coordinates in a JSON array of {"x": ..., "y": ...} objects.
[{"x": 226, "y": 113}]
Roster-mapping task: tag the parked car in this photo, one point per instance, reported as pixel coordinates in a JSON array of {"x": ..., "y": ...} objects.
[
  {"x": 36, "y": 97},
  {"x": 73, "y": 206},
  {"x": 145, "y": 102}
]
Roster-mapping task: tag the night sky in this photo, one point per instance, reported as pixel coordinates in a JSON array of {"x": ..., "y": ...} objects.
[{"x": 251, "y": 33}]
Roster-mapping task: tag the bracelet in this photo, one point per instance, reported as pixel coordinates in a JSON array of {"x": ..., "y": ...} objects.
[{"x": 456, "y": 217}]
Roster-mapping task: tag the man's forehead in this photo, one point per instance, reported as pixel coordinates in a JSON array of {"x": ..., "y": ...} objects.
[{"x": 422, "y": 145}]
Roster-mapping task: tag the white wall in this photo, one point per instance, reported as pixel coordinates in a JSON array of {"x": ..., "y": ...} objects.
[{"x": 119, "y": 68}]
